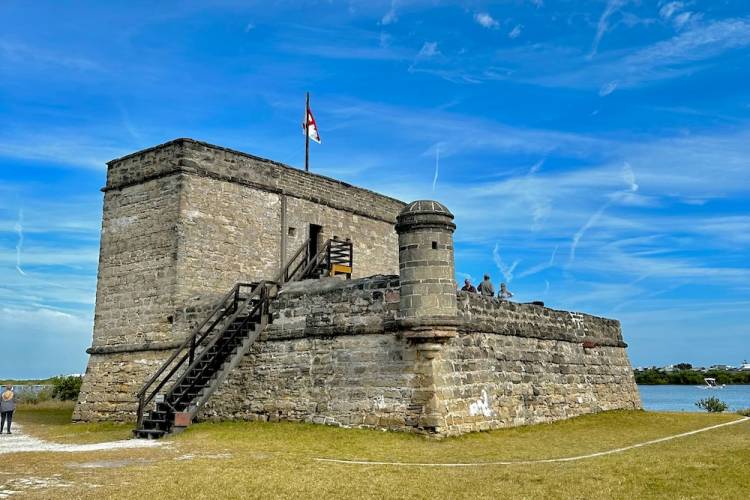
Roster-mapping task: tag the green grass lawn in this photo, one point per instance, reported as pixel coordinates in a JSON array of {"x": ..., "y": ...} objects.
[{"x": 276, "y": 460}]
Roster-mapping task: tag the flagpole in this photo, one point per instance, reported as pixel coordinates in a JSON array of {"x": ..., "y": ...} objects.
[{"x": 307, "y": 132}]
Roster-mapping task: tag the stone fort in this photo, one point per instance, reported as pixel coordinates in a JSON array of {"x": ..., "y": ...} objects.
[{"x": 235, "y": 287}]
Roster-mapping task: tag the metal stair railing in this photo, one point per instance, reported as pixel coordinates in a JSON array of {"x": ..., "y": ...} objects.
[
  {"x": 295, "y": 264},
  {"x": 261, "y": 291},
  {"x": 228, "y": 306}
]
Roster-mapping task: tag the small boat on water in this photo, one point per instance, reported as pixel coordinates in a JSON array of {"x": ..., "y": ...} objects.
[{"x": 710, "y": 383}]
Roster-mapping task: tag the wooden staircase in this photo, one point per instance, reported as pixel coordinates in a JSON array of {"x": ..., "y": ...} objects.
[{"x": 171, "y": 398}]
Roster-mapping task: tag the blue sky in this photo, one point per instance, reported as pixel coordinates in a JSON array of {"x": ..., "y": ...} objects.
[{"x": 596, "y": 154}]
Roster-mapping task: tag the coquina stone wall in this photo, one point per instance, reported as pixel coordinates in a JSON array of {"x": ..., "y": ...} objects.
[
  {"x": 330, "y": 356},
  {"x": 335, "y": 354},
  {"x": 183, "y": 222},
  {"x": 515, "y": 364}
]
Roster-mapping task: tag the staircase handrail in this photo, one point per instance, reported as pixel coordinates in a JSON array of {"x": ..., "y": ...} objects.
[
  {"x": 261, "y": 292},
  {"x": 284, "y": 276},
  {"x": 193, "y": 340}
]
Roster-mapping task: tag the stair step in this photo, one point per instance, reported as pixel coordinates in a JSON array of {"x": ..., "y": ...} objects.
[{"x": 149, "y": 433}]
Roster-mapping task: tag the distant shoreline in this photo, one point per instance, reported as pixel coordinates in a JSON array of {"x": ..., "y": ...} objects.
[{"x": 657, "y": 376}]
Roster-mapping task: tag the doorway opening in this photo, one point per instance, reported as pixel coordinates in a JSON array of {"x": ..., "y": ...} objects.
[{"x": 314, "y": 233}]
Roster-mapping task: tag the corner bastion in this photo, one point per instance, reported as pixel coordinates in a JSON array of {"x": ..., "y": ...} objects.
[{"x": 397, "y": 347}]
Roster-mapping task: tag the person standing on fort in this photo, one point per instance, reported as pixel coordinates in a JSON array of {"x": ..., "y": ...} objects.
[
  {"x": 468, "y": 287},
  {"x": 7, "y": 407},
  {"x": 485, "y": 287},
  {"x": 504, "y": 293}
]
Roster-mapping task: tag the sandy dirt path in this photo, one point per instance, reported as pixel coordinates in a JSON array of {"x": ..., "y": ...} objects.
[{"x": 19, "y": 442}]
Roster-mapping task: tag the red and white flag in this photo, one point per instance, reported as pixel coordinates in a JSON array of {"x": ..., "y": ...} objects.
[{"x": 311, "y": 127}]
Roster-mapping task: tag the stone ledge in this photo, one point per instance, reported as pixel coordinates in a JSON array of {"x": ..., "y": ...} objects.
[{"x": 125, "y": 348}]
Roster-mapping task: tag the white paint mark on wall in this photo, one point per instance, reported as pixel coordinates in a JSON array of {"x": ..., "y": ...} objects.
[
  {"x": 191, "y": 215},
  {"x": 379, "y": 402},
  {"x": 577, "y": 319},
  {"x": 122, "y": 222},
  {"x": 481, "y": 406}
]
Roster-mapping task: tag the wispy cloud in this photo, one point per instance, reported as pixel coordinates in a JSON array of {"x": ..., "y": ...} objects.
[
  {"x": 428, "y": 50},
  {"x": 437, "y": 167},
  {"x": 608, "y": 88},
  {"x": 540, "y": 267},
  {"x": 506, "y": 270},
  {"x": 629, "y": 177},
  {"x": 662, "y": 60},
  {"x": 668, "y": 9},
  {"x": 19, "y": 246},
  {"x": 23, "y": 54},
  {"x": 61, "y": 147},
  {"x": 390, "y": 17},
  {"x": 603, "y": 25},
  {"x": 553, "y": 65},
  {"x": 515, "y": 32}
]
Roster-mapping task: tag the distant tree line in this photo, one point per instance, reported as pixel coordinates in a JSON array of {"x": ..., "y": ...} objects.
[{"x": 655, "y": 376}]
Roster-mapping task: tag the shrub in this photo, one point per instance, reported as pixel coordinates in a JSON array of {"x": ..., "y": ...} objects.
[
  {"x": 712, "y": 405},
  {"x": 30, "y": 397},
  {"x": 66, "y": 388},
  {"x": 745, "y": 412}
]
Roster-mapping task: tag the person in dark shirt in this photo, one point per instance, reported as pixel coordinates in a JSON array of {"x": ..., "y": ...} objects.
[
  {"x": 468, "y": 287},
  {"x": 486, "y": 288}
]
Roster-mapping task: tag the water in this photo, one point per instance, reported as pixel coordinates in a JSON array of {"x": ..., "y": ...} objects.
[{"x": 684, "y": 397}]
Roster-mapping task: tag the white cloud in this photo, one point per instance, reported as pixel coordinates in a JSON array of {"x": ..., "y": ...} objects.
[
  {"x": 671, "y": 58},
  {"x": 629, "y": 176},
  {"x": 602, "y": 26},
  {"x": 507, "y": 271},
  {"x": 61, "y": 147},
  {"x": 540, "y": 267},
  {"x": 428, "y": 50},
  {"x": 682, "y": 19},
  {"x": 515, "y": 32},
  {"x": 390, "y": 17},
  {"x": 486, "y": 20},
  {"x": 608, "y": 88},
  {"x": 19, "y": 246},
  {"x": 249, "y": 27},
  {"x": 670, "y": 8},
  {"x": 22, "y": 54}
]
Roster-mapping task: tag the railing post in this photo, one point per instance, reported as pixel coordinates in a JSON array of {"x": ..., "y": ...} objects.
[
  {"x": 329, "y": 264},
  {"x": 139, "y": 417},
  {"x": 191, "y": 357},
  {"x": 351, "y": 253}
]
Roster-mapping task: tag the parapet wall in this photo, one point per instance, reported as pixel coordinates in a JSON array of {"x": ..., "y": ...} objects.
[
  {"x": 335, "y": 354},
  {"x": 207, "y": 160},
  {"x": 481, "y": 315}
]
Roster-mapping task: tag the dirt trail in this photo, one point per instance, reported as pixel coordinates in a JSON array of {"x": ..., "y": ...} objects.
[{"x": 20, "y": 442}]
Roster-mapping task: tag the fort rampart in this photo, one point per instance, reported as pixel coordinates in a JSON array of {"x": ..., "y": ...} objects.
[{"x": 335, "y": 354}]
